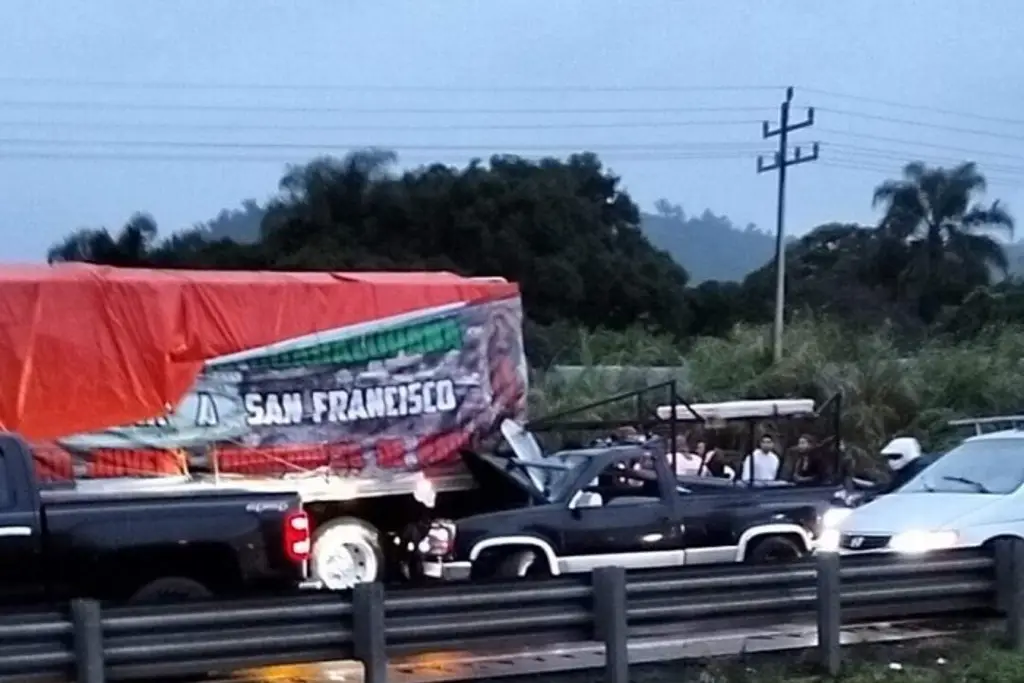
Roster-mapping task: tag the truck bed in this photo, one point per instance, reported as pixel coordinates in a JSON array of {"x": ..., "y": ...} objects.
[{"x": 310, "y": 487}]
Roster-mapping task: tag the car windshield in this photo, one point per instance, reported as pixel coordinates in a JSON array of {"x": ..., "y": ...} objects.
[
  {"x": 985, "y": 466},
  {"x": 556, "y": 473}
]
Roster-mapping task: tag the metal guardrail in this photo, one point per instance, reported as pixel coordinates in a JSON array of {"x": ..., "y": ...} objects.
[{"x": 94, "y": 644}]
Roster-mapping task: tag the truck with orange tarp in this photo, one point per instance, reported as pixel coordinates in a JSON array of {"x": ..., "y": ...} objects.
[{"x": 356, "y": 390}]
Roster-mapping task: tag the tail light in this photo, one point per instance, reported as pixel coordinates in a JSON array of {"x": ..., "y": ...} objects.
[{"x": 296, "y": 536}]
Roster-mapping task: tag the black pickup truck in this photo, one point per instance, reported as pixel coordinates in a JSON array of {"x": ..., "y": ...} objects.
[
  {"x": 581, "y": 509},
  {"x": 163, "y": 544}
]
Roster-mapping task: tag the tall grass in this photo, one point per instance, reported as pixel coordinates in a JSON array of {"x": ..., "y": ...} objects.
[{"x": 886, "y": 389}]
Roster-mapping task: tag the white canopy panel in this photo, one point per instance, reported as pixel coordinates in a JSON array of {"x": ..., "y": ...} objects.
[{"x": 737, "y": 410}]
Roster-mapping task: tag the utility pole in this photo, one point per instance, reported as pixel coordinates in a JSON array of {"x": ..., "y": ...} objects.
[{"x": 781, "y": 163}]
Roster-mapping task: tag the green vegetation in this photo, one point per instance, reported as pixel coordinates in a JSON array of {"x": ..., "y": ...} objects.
[{"x": 889, "y": 387}]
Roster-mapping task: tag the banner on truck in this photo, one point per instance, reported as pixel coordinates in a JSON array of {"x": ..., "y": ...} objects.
[{"x": 399, "y": 394}]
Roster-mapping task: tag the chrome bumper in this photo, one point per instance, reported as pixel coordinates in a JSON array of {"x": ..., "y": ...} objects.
[{"x": 447, "y": 571}]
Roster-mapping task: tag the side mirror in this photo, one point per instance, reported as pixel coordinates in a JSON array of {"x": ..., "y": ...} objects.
[{"x": 586, "y": 499}]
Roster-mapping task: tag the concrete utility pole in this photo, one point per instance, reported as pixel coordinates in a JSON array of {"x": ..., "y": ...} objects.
[{"x": 781, "y": 163}]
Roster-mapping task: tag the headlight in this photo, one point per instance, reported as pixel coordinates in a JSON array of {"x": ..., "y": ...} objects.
[
  {"x": 828, "y": 541},
  {"x": 833, "y": 517},
  {"x": 923, "y": 541}
]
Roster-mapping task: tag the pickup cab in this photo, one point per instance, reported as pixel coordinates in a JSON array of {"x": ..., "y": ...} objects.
[
  {"x": 592, "y": 507},
  {"x": 156, "y": 543}
]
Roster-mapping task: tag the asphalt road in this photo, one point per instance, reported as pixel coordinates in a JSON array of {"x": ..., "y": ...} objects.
[{"x": 441, "y": 667}]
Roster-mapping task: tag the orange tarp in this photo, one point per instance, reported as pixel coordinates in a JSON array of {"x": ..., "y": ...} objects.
[{"x": 84, "y": 348}]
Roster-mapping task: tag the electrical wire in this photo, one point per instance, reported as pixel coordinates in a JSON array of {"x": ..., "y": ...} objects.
[
  {"x": 324, "y": 146},
  {"x": 49, "y": 81},
  {"x": 921, "y": 124},
  {"x": 914, "y": 107},
  {"x": 237, "y": 126},
  {"x": 66, "y": 105},
  {"x": 19, "y": 155}
]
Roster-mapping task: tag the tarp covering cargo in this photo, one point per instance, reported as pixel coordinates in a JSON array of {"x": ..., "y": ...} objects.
[{"x": 114, "y": 372}]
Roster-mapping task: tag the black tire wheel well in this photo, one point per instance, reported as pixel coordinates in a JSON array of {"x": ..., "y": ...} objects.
[
  {"x": 776, "y": 547},
  {"x": 213, "y": 568},
  {"x": 171, "y": 589},
  {"x": 490, "y": 562}
]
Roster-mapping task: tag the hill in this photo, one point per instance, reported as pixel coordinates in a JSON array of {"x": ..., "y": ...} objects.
[{"x": 709, "y": 246}]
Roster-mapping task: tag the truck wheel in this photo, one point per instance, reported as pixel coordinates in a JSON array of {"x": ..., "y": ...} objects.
[
  {"x": 774, "y": 550},
  {"x": 522, "y": 564},
  {"x": 346, "y": 552},
  {"x": 170, "y": 589}
]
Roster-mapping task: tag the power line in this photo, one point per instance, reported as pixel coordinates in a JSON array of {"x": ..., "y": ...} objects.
[
  {"x": 65, "y": 105},
  {"x": 246, "y": 158},
  {"x": 175, "y": 125},
  {"x": 49, "y": 81},
  {"x": 898, "y": 155},
  {"x": 854, "y": 164},
  {"x": 489, "y": 147},
  {"x": 904, "y": 141},
  {"x": 916, "y": 107},
  {"x": 923, "y": 124}
]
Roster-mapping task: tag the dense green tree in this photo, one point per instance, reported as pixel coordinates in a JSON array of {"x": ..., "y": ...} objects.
[
  {"x": 130, "y": 246},
  {"x": 837, "y": 270}
]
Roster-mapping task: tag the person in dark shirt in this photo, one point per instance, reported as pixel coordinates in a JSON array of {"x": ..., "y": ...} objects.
[{"x": 810, "y": 465}]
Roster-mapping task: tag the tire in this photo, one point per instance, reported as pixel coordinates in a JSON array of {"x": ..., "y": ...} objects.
[
  {"x": 345, "y": 552},
  {"x": 170, "y": 589},
  {"x": 523, "y": 564},
  {"x": 775, "y": 550}
]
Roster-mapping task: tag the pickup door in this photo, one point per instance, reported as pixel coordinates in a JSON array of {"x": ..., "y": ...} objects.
[
  {"x": 21, "y": 562},
  {"x": 637, "y": 528}
]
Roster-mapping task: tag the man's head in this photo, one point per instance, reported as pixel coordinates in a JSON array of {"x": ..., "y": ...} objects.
[
  {"x": 901, "y": 451},
  {"x": 766, "y": 443},
  {"x": 804, "y": 443}
]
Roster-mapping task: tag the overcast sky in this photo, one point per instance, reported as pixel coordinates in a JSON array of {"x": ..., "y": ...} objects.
[{"x": 97, "y": 97}]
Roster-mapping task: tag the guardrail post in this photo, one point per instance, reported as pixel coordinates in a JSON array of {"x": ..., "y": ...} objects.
[
  {"x": 829, "y": 615},
  {"x": 610, "y": 624},
  {"x": 87, "y": 634},
  {"x": 368, "y": 631},
  {"x": 1009, "y": 563}
]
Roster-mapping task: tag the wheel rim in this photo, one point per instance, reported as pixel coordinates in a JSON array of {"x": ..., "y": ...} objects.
[{"x": 343, "y": 560}]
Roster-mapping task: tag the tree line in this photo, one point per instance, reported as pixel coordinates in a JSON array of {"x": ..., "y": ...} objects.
[{"x": 570, "y": 235}]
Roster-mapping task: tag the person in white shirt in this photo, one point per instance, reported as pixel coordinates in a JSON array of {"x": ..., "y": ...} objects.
[
  {"x": 763, "y": 462},
  {"x": 688, "y": 464}
]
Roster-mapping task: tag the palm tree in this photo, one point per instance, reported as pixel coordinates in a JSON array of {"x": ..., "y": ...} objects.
[{"x": 932, "y": 211}]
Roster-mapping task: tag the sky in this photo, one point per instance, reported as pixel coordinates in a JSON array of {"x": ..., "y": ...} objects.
[{"x": 183, "y": 108}]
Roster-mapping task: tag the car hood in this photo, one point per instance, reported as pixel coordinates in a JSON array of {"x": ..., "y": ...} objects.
[
  {"x": 899, "y": 512},
  {"x": 490, "y": 474}
]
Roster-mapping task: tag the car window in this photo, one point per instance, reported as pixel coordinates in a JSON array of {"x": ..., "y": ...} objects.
[{"x": 985, "y": 466}]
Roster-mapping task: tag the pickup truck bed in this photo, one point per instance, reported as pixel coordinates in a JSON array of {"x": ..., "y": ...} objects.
[{"x": 142, "y": 545}]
